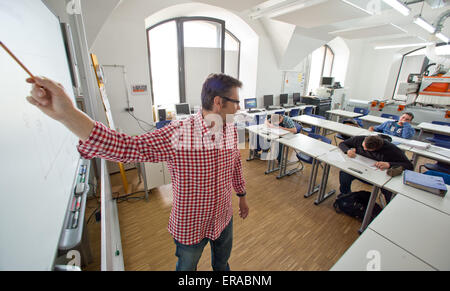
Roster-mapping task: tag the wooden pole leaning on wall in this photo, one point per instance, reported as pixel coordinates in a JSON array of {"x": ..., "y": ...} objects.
[{"x": 101, "y": 86}]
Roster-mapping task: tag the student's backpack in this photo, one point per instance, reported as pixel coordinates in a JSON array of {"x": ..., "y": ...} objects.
[{"x": 354, "y": 204}]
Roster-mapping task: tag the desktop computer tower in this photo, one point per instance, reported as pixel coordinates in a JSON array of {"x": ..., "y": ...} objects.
[{"x": 161, "y": 114}]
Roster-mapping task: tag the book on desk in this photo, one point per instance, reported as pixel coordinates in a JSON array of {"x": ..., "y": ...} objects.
[{"x": 432, "y": 184}]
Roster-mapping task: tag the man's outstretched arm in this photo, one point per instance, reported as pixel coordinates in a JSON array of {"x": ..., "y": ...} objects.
[{"x": 51, "y": 98}]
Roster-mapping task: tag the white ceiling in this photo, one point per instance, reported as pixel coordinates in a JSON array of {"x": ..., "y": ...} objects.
[{"x": 325, "y": 19}]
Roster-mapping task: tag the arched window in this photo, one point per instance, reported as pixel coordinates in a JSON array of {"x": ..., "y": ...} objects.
[
  {"x": 321, "y": 66},
  {"x": 183, "y": 52}
]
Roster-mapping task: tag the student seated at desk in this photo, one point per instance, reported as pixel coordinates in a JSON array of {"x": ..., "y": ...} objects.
[
  {"x": 282, "y": 122},
  {"x": 402, "y": 128},
  {"x": 375, "y": 148}
]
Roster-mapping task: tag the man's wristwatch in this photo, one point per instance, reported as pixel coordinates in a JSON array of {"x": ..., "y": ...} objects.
[{"x": 241, "y": 194}]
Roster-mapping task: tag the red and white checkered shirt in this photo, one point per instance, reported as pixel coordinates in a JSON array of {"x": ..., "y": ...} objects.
[{"x": 203, "y": 166}]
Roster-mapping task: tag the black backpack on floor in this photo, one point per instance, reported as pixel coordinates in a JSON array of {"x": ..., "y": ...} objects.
[{"x": 354, "y": 204}]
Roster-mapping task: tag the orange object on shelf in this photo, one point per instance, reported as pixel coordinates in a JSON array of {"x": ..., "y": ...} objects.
[
  {"x": 381, "y": 106},
  {"x": 374, "y": 103},
  {"x": 447, "y": 114},
  {"x": 401, "y": 108}
]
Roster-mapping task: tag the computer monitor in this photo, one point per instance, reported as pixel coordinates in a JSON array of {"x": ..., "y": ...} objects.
[
  {"x": 283, "y": 99},
  {"x": 268, "y": 100},
  {"x": 296, "y": 98},
  {"x": 326, "y": 81},
  {"x": 182, "y": 109},
  {"x": 250, "y": 103}
]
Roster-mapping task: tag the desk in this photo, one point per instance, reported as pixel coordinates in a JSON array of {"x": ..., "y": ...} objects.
[
  {"x": 374, "y": 119},
  {"x": 360, "y": 257},
  {"x": 308, "y": 146},
  {"x": 272, "y": 111},
  {"x": 417, "y": 228},
  {"x": 341, "y": 161},
  {"x": 436, "y": 153},
  {"x": 435, "y": 128},
  {"x": 343, "y": 113},
  {"x": 331, "y": 125},
  {"x": 434, "y": 201},
  {"x": 267, "y": 134}
]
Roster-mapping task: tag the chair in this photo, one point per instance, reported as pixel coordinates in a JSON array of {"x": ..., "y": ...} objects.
[
  {"x": 294, "y": 112},
  {"x": 438, "y": 167},
  {"x": 161, "y": 124},
  {"x": 363, "y": 111},
  {"x": 307, "y": 159},
  {"x": 308, "y": 110},
  {"x": 298, "y": 127},
  {"x": 439, "y": 174},
  {"x": 312, "y": 129},
  {"x": 391, "y": 116},
  {"x": 280, "y": 112},
  {"x": 440, "y": 139}
]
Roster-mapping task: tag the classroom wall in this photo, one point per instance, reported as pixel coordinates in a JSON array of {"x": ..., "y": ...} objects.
[{"x": 122, "y": 40}]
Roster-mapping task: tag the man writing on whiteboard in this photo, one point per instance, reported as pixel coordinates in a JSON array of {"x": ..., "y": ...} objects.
[{"x": 202, "y": 156}]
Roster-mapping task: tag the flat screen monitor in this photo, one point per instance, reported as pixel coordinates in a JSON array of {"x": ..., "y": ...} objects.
[
  {"x": 268, "y": 100},
  {"x": 182, "y": 109},
  {"x": 296, "y": 98},
  {"x": 250, "y": 103},
  {"x": 283, "y": 99},
  {"x": 326, "y": 81}
]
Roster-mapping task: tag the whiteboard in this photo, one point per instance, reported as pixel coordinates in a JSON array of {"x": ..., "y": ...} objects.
[
  {"x": 294, "y": 82},
  {"x": 39, "y": 156}
]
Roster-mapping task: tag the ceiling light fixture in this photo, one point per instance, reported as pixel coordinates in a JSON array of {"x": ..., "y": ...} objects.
[
  {"x": 425, "y": 25},
  {"x": 442, "y": 37},
  {"x": 400, "y": 7}
]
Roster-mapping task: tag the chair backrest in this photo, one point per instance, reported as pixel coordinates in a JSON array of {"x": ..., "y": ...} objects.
[
  {"x": 317, "y": 116},
  {"x": 320, "y": 137},
  {"x": 391, "y": 116},
  {"x": 280, "y": 112},
  {"x": 360, "y": 110},
  {"x": 161, "y": 124},
  {"x": 445, "y": 176},
  {"x": 441, "y": 123},
  {"x": 308, "y": 110},
  {"x": 298, "y": 127},
  {"x": 294, "y": 112}
]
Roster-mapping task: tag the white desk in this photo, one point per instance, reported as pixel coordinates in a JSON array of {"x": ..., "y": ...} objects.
[
  {"x": 417, "y": 228},
  {"x": 343, "y": 113},
  {"x": 331, "y": 125},
  {"x": 308, "y": 146},
  {"x": 272, "y": 111},
  {"x": 387, "y": 256},
  {"x": 341, "y": 161},
  {"x": 435, "y": 128},
  {"x": 433, "y": 152},
  {"x": 439, "y": 203},
  {"x": 374, "y": 119}
]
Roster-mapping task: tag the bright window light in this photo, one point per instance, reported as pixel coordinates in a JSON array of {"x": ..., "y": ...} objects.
[
  {"x": 442, "y": 37},
  {"x": 403, "y": 45}
]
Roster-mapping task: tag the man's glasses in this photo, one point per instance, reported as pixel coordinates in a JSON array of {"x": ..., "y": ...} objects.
[{"x": 231, "y": 100}]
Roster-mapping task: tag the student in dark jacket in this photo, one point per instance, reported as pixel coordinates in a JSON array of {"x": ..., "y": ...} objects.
[{"x": 376, "y": 148}]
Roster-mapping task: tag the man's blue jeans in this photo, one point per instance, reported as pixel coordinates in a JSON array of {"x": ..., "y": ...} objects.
[{"x": 189, "y": 255}]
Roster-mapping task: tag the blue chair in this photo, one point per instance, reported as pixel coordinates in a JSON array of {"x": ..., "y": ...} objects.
[
  {"x": 280, "y": 112},
  {"x": 298, "y": 127},
  {"x": 439, "y": 174},
  {"x": 312, "y": 129},
  {"x": 440, "y": 139},
  {"x": 161, "y": 124},
  {"x": 294, "y": 112},
  {"x": 391, "y": 116},
  {"x": 363, "y": 111},
  {"x": 308, "y": 110},
  {"x": 307, "y": 159}
]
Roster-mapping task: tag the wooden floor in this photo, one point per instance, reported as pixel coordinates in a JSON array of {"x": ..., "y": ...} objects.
[{"x": 284, "y": 230}]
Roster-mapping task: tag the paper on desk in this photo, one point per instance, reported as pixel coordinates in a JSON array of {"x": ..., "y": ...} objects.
[{"x": 365, "y": 161}]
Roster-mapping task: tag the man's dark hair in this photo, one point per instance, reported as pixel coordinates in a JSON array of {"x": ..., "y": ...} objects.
[
  {"x": 410, "y": 114},
  {"x": 373, "y": 142},
  {"x": 217, "y": 85}
]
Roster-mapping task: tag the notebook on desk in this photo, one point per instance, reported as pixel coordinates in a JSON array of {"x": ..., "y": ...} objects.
[{"x": 432, "y": 184}]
